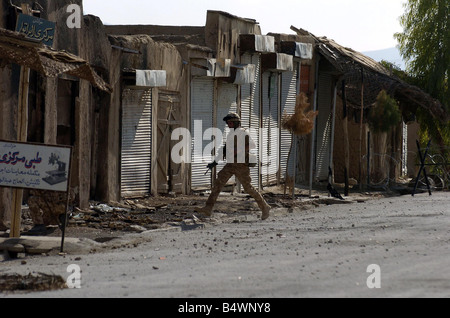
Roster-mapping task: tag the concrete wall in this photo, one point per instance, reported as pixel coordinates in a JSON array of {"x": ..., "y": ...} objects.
[
  {"x": 154, "y": 56},
  {"x": 222, "y": 34}
]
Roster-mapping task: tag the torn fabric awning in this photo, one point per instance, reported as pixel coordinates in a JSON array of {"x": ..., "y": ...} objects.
[{"x": 15, "y": 48}]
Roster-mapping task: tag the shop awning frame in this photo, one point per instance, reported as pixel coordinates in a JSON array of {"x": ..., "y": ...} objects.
[{"x": 15, "y": 48}]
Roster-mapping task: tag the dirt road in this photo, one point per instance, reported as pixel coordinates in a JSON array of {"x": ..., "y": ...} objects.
[{"x": 389, "y": 247}]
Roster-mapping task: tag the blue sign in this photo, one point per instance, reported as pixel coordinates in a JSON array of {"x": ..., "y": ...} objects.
[{"x": 36, "y": 29}]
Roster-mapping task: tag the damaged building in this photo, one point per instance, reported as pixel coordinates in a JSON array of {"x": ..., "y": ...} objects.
[
  {"x": 229, "y": 67},
  {"x": 139, "y": 84}
]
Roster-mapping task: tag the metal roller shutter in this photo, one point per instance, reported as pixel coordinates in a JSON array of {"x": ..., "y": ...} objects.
[
  {"x": 227, "y": 94},
  {"x": 289, "y": 84},
  {"x": 136, "y": 156},
  {"x": 202, "y": 103},
  {"x": 271, "y": 134},
  {"x": 250, "y": 111}
]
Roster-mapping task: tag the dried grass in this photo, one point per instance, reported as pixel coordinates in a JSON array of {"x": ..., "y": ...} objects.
[{"x": 300, "y": 123}]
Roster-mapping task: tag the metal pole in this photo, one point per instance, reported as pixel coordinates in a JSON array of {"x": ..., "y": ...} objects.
[
  {"x": 65, "y": 218},
  {"x": 295, "y": 138},
  {"x": 333, "y": 127},
  {"x": 361, "y": 124},
  {"x": 368, "y": 158},
  {"x": 294, "y": 166},
  {"x": 313, "y": 140}
]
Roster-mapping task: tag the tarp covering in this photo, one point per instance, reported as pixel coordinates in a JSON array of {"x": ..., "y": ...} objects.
[{"x": 15, "y": 48}]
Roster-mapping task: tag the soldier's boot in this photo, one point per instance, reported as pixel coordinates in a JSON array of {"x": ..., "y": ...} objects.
[{"x": 266, "y": 212}]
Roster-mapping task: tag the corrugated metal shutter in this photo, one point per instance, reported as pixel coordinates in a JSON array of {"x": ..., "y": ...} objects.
[
  {"x": 324, "y": 125},
  {"x": 270, "y": 147},
  {"x": 227, "y": 103},
  {"x": 250, "y": 110},
  {"x": 202, "y": 103},
  {"x": 289, "y": 84},
  {"x": 136, "y": 142}
]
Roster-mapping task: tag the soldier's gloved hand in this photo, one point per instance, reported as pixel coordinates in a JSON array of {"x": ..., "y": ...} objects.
[{"x": 212, "y": 165}]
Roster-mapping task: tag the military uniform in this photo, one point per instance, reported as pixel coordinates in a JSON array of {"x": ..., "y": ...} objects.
[{"x": 238, "y": 165}]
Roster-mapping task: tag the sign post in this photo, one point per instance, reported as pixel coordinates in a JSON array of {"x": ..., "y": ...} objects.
[
  {"x": 43, "y": 31},
  {"x": 33, "y": 166}
]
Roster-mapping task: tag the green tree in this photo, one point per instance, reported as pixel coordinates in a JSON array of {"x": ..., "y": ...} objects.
[{"x": 425, "y": 45}]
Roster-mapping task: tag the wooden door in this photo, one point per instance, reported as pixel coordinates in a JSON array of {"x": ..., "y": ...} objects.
[{"x": 169, "y": 174}]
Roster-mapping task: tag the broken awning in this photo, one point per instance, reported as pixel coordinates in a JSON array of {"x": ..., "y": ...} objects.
[{"x": 15, "y": 48}]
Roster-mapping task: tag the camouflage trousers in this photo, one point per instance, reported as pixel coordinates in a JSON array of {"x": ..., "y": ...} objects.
[{"x": 242, "y": 173}]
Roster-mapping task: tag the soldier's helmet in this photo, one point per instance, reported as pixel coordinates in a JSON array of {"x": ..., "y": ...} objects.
[{"x": 232, "y": 117}]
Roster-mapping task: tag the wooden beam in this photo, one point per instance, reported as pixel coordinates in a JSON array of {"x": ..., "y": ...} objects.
[{"x": 22, "y": 133}]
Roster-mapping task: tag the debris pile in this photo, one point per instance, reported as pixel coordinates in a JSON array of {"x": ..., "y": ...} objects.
[
  {"x": 131, "y": 215},
  {"x": 30, "y": 283}
]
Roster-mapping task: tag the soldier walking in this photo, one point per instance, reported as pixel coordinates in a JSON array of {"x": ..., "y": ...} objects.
[{"x": 237, "y": 152}]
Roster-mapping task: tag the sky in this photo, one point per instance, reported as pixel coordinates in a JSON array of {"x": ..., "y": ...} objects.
[{"x": 363, "y": 25}]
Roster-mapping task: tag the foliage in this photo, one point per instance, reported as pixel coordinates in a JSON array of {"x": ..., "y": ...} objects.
[
  {"x": 386, "y": 113},
  {"x": 425, "y": 45}
]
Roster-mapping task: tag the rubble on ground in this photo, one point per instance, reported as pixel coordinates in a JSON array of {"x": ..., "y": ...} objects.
[
  {"x": 31, "y": 283},
  {"x": 102, "y": 220}
]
